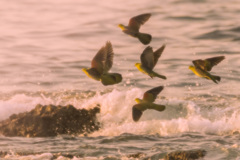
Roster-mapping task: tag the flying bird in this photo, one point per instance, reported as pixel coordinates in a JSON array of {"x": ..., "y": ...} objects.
[
  {"x": 133, "y": 27},
  {"x": 101, "y": 64},
  {"x": 202, "y": 67},
  {"x": 147, "y": 103},
  {"x": 148, "y": 61}
]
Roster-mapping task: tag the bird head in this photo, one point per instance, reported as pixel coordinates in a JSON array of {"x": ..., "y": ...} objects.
[
  {"x": 138, "y": 100},
  {"x": 121, "y": 26},
  {"x": 85, "y": 71},
  {"x": 137, "y": 64},
  {"x": 191, "y": 67}
]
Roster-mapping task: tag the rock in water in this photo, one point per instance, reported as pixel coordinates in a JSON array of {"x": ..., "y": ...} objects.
[
  {"x": 185, "y": 155},
  {"x": 51, "y": 120}
]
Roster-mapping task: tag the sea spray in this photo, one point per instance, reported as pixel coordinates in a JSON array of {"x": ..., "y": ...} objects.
[
  {"x": 181, "y": 114},
  {"x": 116, "y": 106},
  {"x": 17, "y": 104}
]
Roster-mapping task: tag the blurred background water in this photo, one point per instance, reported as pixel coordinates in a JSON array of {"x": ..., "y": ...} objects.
[{"x": 44, "y": 44}]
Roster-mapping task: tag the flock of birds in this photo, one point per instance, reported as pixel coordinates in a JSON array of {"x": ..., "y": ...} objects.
[{"x": 103, "y": 61}]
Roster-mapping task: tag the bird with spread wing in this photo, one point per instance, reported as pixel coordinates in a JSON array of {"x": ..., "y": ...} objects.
[
  {"x": 147, "y": 103},
  {"x": 202, "y": 67},
  {"x": 133, "y": 27},
  {"x": 149, "y": 60},
  {"x": 101, "y": 64}
]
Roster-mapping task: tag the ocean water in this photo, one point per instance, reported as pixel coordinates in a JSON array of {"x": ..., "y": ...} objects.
[{"x": 45, "y": 44}]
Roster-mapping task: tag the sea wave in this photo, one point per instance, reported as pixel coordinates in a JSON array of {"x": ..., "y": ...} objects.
[{"x": 205, "y": 114}]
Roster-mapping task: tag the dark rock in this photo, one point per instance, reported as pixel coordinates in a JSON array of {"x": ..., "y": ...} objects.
[
  {"x": 3, "y": 154},
  {"x": 185, "y": 155},
  {"x": 54, "y": 155},
  {"x": 137, "y": 155},
  {"x": 51, "y": 120}
]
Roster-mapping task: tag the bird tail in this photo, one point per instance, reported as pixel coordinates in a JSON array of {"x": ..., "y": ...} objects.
[
  {"x": 158, "y": 107},
  {"x": 214, "y": 78},
  {"x": 158, "y": 75},
  {"x": 217, "y": 78},
  {"x": 111, "y": 78},
  {"x": 144, "y": 38},
  {"x": 118, "y": 77}
]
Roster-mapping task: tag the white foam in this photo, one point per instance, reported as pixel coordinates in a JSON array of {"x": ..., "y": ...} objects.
[
  {"x": 116, "y": 106},
  {"x": 116, "y": 114},
  {"x": 17, "y": 104},
  {"x": 180, "y": 116},
  {"x": 43, "y": 156}
]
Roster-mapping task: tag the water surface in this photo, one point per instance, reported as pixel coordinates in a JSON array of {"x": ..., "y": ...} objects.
[{"x": 44, "y": 45}]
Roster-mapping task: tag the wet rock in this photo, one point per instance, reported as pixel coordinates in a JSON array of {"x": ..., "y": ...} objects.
[
  {"x": 3, "y": 154},
  {"x": 185, "y": 155},
  {"x": 137, "y": 155},
  {"x": 51, "y": 120}
]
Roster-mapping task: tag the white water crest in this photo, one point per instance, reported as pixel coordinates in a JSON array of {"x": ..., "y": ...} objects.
[{"x": 180, "y": 115}]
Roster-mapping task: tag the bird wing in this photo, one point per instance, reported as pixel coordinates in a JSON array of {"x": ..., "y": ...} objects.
[
  {"x": 213, "y": 62},
  {"x": 98, "y": 62},
  {"x": 199, "y": 63},
  {"x": 151, "y": 94},
  {"x": 158, "y": 53},
  {"x": 208, "y": 63},
  {"x": 109, "y": 57},
  {"x": 136, "y": 113},
  {"x": 103, "y": 60},
  {"x": 137, "y": 21},
  {"x": 147, "y": 58}
]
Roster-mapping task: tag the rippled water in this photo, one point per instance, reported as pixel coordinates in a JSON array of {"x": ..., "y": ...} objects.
[{"x": 44, "y": 44}]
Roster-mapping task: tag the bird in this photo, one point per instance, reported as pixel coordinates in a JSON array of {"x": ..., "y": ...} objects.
[
  {"x": 202, "y": 67},
  {"x": 101, "y": 64},
  {"x": 147, "y": 103},
  {"x": 133, "y": 27},
  {"x": 148, "y": 61}
]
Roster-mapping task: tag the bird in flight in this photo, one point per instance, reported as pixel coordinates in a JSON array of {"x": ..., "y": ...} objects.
[
  {"x": 101, "y": 64},
  {"x": 202, "y": 67},
  {"x": 147, "y": 103},
  {"x": 148, "y": 61},
  {"x": 133, "y": 27}
]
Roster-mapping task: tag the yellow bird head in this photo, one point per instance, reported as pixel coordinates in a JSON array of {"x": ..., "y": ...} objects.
[
  {"x": 84, "y": 70},
  {"x": 191, "y": 68},
  {"x": 121, "y": 26},
  {"x": 138, "y": 100},
  {"x": 91, "y": 73},
  {"x": 137, "y": 64}
]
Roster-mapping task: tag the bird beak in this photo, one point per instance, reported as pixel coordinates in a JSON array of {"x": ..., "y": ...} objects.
[{"x": 121, "y": 26}]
